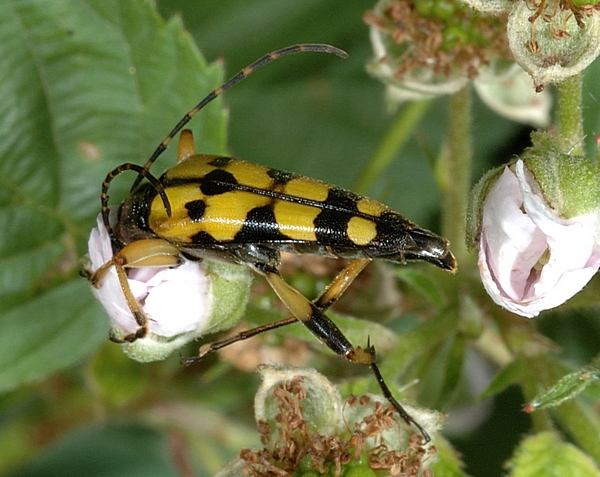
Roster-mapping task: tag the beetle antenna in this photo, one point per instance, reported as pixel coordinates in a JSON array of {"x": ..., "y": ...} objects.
[
  {"x": 247, "y": 71},
  {"x": 142, "y": 172}
]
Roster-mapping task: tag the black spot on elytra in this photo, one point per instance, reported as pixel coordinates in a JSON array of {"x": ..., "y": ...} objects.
[
  {"x": 280, "y": 177},
  {"x": 332, "y": 222},
  {"x": 220, "y": 161},
  {"x": 195, "y": 209},
  {"x": 260, "y": 226},
  {"x": 217, "y": 182},
  {"x": 203, "y": 238}
]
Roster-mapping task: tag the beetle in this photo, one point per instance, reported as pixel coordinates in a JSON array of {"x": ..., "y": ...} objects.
[{"x": 221, "y": 208}]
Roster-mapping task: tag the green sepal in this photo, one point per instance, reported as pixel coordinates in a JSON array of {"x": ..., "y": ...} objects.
[
  {"x": 570, "y": 184},
  {"x": 230, "y": 290},
  {"x": 477, "y": 198}
]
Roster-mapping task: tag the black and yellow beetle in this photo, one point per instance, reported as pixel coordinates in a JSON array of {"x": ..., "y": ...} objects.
[{"x": 219, "y": 208}]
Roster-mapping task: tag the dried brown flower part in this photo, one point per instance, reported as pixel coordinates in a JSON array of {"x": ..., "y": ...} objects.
[
  {"x": 452, "y": 40},
  {"x": 550, "y": 39},
  {"x": 363, "y": 437},
  {"x": 425, "y": 49}
]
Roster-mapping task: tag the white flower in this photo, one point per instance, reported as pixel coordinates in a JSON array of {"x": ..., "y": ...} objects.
[
  {"x": 176, "y": 299},
  {"x": 530, "y": 258},
  {"x": 180, "y": 302}
]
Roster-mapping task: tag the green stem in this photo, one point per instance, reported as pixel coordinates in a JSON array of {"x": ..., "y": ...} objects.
[
  {"x": 537, "y": 374},
  {"x": 393, "y": 141},
  {"x": 570, "y": 117},
  {"x": 454, "y": 172}
]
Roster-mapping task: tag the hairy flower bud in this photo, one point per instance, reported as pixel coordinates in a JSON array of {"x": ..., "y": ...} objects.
[{"x": 182, "y": 303}]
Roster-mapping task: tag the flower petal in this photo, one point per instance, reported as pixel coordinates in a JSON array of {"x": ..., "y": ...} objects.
[
  {"x": 531, "y": 259},
  {"x": 177, "y": 300},
  {"x": 181, "y": 301}
]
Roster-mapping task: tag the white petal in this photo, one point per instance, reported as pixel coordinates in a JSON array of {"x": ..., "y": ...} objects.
[
  {"x": 511, "y": 243},
  {"x": 531, "y": 259},
  {"x": 109, "y": 293},
  {"x": 514, "y": 97},
  {"x": 176, "y": 300},
  {"x": 494, "y": 7},
  {"x": 181, "y": 301}
]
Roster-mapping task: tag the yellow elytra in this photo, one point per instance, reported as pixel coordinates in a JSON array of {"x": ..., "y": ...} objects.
[
  {"x": 219, "y": 208},
  {"x": 220, "y": 200}
]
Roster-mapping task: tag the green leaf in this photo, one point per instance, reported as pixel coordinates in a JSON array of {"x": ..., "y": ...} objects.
[
  {"x": 118, "y": 378},
  {"x": 424, "y": 340},
  {"x": 577, "y": 417},
  {"x": 85, "y": 86},
  {"x": 443, "y": 373},
  {"x": 566, "y": 388},
  {"x": 425, "y": 283},
  {"x": 130, "y": 450},
  {"x": 48, "y": 333},
  {"x": 546, "y": 454}
]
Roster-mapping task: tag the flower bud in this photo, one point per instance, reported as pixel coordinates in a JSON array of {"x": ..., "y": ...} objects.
[
  {"x": 555, "y": 41},
  {"x": 536, "y": 225},
  {"x": 182, "y": 303}
]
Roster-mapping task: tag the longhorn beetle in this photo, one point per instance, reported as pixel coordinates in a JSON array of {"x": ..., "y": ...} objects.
[{"x": 212, "y": 207}]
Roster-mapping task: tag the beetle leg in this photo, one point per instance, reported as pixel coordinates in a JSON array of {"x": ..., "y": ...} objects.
[
  {"x": 136, "y": 310},
  {"x": 243, "y": 335},
  {"x": 329, "y": 334},
  {"x": 340, "y": 283},
  {"x": 325, "y": 300},
  {"x": 141, "y": 253},
  {"x": 312, "y": 316}
]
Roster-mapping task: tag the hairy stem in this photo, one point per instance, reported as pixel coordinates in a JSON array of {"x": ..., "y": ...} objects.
[
  {"x": 570, "y": 118},
  {"x": 454, "y": 172}
]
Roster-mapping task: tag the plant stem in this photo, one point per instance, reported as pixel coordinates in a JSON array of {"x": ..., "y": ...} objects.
[
  {"x": 570, "y": 117},
  {"x": 454, "y": 172},
  {"x": 393, "y": 141},
  {"x": 536, "y": 376}
]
